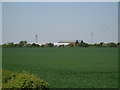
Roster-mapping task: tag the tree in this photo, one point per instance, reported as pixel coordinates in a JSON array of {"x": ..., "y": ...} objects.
[
  {"x": 50, "y": 45},
  {"x": 101, "y": 44},
  {"x": 76, "y": 42},
  {"x": 4, "y": 45},
  {"x": 118, "y": 44},
  {"x": 16, "y": 45},
  {"x": 42, "y": 45},
  {"x": 28, "y": 45},
  {"x": 97, "y": 45},
  {"x": 61, "y": 46},
  {"x": 111, "y": 44},
  {"x": 22, "y": 43},
  {"x": 81, "y": 41},
  {"x": 10, "y": 44},
  {"x": 35, "y": 45}
]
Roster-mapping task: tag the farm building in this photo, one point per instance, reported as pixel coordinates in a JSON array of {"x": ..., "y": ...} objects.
[
  {"x": 41, "y": 44},
  {"x": 58, "y": 44},
  {"x": 67, "y": 42},
  {"x": 63, "y": 42}
]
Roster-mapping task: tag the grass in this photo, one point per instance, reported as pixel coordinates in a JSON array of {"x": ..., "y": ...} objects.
[{"x": 66, "y": 67}]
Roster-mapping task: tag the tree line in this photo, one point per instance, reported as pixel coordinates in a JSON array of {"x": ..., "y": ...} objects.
[{"x": 23, "y": 44}]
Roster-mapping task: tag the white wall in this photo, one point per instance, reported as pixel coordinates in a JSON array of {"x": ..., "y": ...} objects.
[{"x": 58, "y": 44}]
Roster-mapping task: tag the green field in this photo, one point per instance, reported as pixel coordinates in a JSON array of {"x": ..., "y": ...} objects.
[{"x": 66, "y": 67}]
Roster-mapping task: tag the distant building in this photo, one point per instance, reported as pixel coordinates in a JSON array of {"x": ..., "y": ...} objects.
[
  {"x": 41, "y": 44},
  {"x": 66, "y": 42},
  {"x": 58, "y": 44}
]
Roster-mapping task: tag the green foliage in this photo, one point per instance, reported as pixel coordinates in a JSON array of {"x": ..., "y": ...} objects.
[
  {"x": 83, "y": 45},
  {"x": 22, "y": 43},
  {"x": 7, "y": 75},
  {"x": 29, "y": 45},
  {"x": 22, "y": 80},
  {"x": 50, "y": 45},
  {"x": 96, "y": 45},
  {"x": 118, "y": 44},
  {"x": 70, "y": 45},
  {"x": 11, "y": 44},
  {"x": 61, "y": 46},
  {"x": 101, "y": 44},
  {"x": 35, "y": 45},
  {"x": 42, "y": 45},
  {"x": 112, "y": 44}
]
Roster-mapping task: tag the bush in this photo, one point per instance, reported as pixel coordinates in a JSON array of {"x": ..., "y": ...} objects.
[
  {"x": 83, "y": 45},
  {"x": 70, "y": 45},
  {"x": 22, "y": 80},
  {"x": 112, "y": 44},
  {"x": 7, "y": 75},
  {"x": 49, "y": 45}
]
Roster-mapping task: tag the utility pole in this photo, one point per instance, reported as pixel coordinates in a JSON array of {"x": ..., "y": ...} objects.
[
  {"x": 92, "y": 37},
  {"x": 36, "y": 36}
]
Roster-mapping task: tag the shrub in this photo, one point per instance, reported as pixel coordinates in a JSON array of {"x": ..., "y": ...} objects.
[
  {"x": 49, "y": 45},
  {"x": 83, "y": 45},
  {"x": 7, "y": 75},
  {"x": 70, "y": 45},
  {"x": 22, "y": 80},
  {"x": 112, "y": 44}
]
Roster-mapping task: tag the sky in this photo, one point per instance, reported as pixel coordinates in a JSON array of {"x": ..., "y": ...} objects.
[
  {"x": 119, "y": 22},
  {"x": 54, "y": 21},
  {"x": 59, "y": 0}
]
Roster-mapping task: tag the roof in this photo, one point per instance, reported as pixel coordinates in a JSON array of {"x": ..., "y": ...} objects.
[{"x": 68, "y": 41}]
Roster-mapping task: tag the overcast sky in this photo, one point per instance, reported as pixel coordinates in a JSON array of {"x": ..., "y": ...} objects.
[{"x": 60, "y": 21}]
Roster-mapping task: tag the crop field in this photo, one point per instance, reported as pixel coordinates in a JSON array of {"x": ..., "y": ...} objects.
[{"x": 66, "y": 67}]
